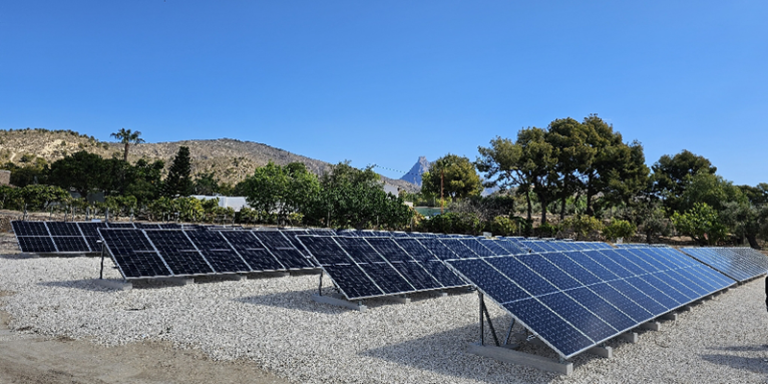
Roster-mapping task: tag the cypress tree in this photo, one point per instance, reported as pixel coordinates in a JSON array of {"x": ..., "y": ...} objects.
[{"x": 179, "y": 180}]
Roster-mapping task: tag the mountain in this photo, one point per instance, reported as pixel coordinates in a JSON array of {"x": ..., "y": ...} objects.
[
  {"x": 414, "y": 175},
  {"x": 231, "y": 160}
]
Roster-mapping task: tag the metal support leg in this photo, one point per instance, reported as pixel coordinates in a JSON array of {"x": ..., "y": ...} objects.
[
  {"x": 482, "y": 330},
  {"x": 509, "y": 332},
  {"x": 101, "y": 272},
  {"x": 484, "y": 312},
  {"x": 490, "y": 324},
  {"x": 320, "y": 287}
]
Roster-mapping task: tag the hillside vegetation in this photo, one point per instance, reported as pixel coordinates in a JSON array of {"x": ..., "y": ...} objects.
[{"x": 231, "y": 160}]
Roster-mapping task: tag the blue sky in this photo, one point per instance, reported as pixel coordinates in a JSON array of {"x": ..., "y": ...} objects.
[{"x": 386, "y": 82}]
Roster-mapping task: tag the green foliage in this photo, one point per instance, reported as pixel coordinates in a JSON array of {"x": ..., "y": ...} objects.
[
  {"x": 701, "y": 223},
  {"x": 206, "y": 184},
  {"x": 276, "y": 192},
  {"x": 671, "y": 176},
  {"x": 547, "y": 230},
  {"x": 32, "y": 172},
  {"x": 583, "y": 226},
  {"x": 618, "y": 228},
  {"x": 458, "y": 176},
  {"x": 453, "y": 223},
  {"x": 33, "y": 197},
  {"x": 503, "y": 226},
  {"x": 353, "y": 198},
  {"x": 85, "y": 172},
  {"x": 127, "y": 137},
  {"x": 179, "y": 181}
]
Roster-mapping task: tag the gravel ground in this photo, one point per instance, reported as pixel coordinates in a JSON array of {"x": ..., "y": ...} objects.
[{"x": 274, "y": 323}]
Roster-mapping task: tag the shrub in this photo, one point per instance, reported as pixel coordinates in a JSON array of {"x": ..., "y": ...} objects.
[
  {"x": 619, "y": 229},
  {"x": 585, "y": 227},
  {"x": 547, "y": 230},
  {"x": 503, "y": 225},
  {"x": 453, "y": 222}
]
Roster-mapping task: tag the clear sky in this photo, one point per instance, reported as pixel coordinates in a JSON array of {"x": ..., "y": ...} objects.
[{"x": 388, "y": 81}]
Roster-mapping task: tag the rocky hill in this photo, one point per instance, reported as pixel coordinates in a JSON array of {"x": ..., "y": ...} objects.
[
  {"x": 414, "y": 175},
  {"x": 231, "y": 160}
]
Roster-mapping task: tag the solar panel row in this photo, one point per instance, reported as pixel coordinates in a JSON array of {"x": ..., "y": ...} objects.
[
  {"x": 575, "y": 300},
  {"x": 145, "y": 253},
  {"x": 367, "y": 267},
  {"x": 741, "y": 264}
]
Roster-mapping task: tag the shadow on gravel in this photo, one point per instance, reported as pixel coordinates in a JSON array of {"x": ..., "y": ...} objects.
[
  {"x": 302, "y": 300},
  {"x": 19, "y": 256},
  {"x": 744, "y": 348},
  {"x": 84, "y": 284},
  {"x": 752, "y": 364},
  {"x": 298, "y": 300},
  {"x": 446, "y": 353}
]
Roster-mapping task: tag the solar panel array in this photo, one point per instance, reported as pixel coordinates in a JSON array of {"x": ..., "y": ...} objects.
[
  {"x": 80, "y": 237},
  {"x": 574, "y": 300},
  {"x": 56, "y": 237},
  {"x": 740, "y": 264},
  {"x": 152, "y": 253},
  {"x": 364, "y": 267}
]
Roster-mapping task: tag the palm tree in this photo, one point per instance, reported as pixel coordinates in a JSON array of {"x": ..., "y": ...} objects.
[{"x": 127, "y": 137}]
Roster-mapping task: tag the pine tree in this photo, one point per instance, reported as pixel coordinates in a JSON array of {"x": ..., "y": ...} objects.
[{"x": 179, "y": 180}]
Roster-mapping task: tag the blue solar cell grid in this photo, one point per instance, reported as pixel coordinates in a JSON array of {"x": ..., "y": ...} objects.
[{"x": 576, "y": 299}]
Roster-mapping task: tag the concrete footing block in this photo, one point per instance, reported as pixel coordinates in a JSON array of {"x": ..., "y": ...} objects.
[
  {"x": 267, "y": 275},
  {"x": 652, "y": 325},
  {"x": 606, "y": 352},
  {"x": 338, "y": 302},
  {"x": 630, "y": 337},
  {"x": 669, "y": 316},
  {"x": 515, "y": 357},
  {"x": 401, "y": 299},
  {"x": 119, "y": 285}
]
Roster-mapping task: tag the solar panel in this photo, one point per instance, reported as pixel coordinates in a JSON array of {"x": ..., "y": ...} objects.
[
  {"x": 741, "y": 265},
  {"x": 217, "y": 250},
  {"x": 279, "y": 245},
  {"x": 574, "y": 300},
  {"x": 253, "y": 251},
  {"x": 53, "y": 237},
  {"x": 366, "y": 267},
  {"x": 179, "y": 252},
  {"x": 133, "y": 254},
  {"x": 120, "y": 225}
]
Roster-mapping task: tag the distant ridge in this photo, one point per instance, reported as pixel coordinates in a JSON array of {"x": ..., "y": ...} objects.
[
  {"x": 414, "y": 175},
  {"x": 231, "y": 159}
]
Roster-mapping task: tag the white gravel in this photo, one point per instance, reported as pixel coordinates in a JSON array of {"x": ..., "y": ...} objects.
[{"x": 275, "y": 323}]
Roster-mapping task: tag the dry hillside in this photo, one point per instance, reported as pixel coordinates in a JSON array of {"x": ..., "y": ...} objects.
[{"x": 231, "y": 160}]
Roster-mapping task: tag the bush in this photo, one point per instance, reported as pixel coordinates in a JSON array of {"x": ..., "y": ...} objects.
[
  {"x": 453, "y": 222},
  {"x": 503, "y": 225},
  {"x": 546, "y": 230},
  {"x": 619, "y": 229},
  {"x": 585, "y": 227}
]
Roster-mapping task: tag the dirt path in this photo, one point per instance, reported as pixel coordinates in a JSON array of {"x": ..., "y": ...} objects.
[{"x": 25, "y": 360}]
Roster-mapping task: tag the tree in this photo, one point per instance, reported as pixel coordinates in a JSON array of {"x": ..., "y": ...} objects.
[
  {"x": 277, "y": 190},
  {"x": 127, "y": 137},
  {"x": 701, "y": 223},
  {"x": 82, "y": 171},
  {"x": 179, "y": 181},
  {"x": 350, "y": 197},
  {"x": 456, "y": 175},
  {"x": 671, "y": 175},
  {"x": 144, "y": 181},
  {"x": 206, "y": 183}
]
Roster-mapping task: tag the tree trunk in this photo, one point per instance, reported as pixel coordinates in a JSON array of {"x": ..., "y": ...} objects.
[
  {"x": 125, "y": 154},
  {"x": 589, "y": 196},
  {"x": 544, "y": 204},
  {"x": 753, "y": 242},
  {"x": 562, "y": 208},
  {"x": 530, "y": 206}
]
